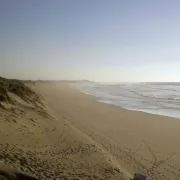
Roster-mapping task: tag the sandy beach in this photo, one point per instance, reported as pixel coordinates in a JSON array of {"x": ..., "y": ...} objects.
[
  {"x": 69, "y": 135},
  {"x": 89, "y": 90}
]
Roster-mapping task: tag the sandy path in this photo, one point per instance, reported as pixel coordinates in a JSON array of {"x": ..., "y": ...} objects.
[{"x": 136, "y": 141}]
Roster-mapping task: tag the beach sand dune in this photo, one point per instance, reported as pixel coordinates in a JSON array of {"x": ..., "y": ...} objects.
[
  {"x": 61, "y": 133},
  {"x": 37, "y": 140}
]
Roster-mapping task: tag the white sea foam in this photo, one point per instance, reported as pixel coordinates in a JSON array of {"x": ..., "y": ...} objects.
[{"x": 155, "y": 98}]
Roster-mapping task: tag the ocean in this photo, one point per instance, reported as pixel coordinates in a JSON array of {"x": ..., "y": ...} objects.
[{"x": 155, "y": 98}]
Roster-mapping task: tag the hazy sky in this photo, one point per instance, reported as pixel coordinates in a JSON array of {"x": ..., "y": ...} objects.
[{"x": 102, "y": 40}]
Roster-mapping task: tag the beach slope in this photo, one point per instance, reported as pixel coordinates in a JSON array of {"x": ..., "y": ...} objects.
[{"x": 53, "y": 131}]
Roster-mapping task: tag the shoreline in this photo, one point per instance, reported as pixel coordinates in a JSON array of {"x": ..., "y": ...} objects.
[
  {"x": 129, "y": 109},
  {"x": 141, "y": 111},
  {"x": 133, "y": 110}
]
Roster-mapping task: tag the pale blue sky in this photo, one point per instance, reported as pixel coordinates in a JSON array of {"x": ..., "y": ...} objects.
[{"x": 101, "y": 40}]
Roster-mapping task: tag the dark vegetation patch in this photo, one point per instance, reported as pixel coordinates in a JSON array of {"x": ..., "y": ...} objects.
[{"x": 19, "y": 88}]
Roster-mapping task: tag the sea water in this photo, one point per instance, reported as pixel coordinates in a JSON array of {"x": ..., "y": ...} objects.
[{"x": 155, "y": 98}]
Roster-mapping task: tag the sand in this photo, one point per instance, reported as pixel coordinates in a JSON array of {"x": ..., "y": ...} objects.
[{"x": 72, "y": 136}]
